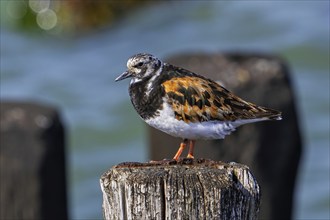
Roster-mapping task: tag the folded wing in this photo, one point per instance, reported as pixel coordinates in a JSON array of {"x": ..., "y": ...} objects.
[{"x": 196, "y": 99}]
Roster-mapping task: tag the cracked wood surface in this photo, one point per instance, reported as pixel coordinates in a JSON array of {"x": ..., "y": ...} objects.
[{"x": 184, "y": 189}]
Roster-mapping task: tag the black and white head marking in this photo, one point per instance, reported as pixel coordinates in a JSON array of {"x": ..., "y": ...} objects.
[{"x": 140, "y": 67}]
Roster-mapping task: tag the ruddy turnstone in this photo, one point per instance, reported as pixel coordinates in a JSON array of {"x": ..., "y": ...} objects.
[{"x": 186, "y": 105}]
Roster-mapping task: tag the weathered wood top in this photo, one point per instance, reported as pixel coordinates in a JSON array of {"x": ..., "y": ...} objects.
[{"x": 184, "y": 189}]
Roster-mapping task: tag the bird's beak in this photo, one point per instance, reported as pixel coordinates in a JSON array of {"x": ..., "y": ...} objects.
[{"x": 124, "y": 75}]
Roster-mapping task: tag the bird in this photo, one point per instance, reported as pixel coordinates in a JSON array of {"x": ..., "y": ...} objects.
[{"x": 187, "y": 105}]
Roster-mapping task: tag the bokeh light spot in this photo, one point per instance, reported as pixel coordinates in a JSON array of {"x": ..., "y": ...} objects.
[
  {"x": 39, "y": 5},
  {"x": 47, "y": 19}
]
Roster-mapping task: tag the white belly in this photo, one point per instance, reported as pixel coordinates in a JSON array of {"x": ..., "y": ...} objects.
[{"x": 167, "y": 123}]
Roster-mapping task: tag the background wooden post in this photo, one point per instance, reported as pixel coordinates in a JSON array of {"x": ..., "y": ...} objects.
[
  {"x": 187, "y": 189},
  {"x": 271, "y": 149},
  {"x": 32, "y": 163}
]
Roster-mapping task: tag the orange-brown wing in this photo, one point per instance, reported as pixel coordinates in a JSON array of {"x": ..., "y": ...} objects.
[{"x": 196, "y": 99}]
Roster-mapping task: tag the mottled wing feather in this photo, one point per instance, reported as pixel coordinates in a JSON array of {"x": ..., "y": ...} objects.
[{"x": 196, "y": 99}]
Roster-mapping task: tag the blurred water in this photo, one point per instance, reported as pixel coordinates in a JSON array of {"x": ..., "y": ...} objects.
[{"x": 77, "y": 75}]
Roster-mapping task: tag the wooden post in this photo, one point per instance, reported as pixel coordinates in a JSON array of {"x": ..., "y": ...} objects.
[
  {"x": 187, "y": 189},
  {"x": 32, "y": 162}
]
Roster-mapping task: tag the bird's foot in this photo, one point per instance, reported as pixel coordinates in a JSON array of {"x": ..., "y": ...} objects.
[{"x": 190, "y": 156}]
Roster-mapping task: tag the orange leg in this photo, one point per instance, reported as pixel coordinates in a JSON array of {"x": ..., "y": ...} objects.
[
  {"x": 191, "y": 149},
  {"x": 181, "y": 148}
]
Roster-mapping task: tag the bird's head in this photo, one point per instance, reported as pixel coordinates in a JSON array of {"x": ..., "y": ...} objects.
[{"x": 140, "y": 66}]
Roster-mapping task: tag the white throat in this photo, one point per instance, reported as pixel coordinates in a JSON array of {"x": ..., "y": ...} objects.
[{"x": 152, "y": 79}]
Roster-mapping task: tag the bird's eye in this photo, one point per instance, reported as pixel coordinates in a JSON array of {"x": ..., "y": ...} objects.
[{"x": 139, "y": 64}]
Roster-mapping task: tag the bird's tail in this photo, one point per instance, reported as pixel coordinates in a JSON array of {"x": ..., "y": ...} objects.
[{"x": 268, "y": 113}]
